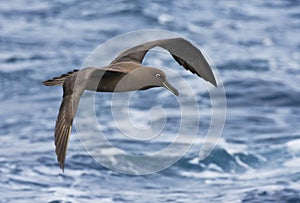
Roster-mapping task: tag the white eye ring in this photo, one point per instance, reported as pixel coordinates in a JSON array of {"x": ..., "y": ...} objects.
[{"x": 157, "y": 75}]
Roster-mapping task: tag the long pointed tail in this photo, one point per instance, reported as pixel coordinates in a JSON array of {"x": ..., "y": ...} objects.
[{"x": 59, "y": 81}]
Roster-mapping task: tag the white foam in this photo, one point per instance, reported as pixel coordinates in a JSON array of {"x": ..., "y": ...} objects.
[
  {"x": 293, "y": 163},
  {"x": 294, "y": 145}
]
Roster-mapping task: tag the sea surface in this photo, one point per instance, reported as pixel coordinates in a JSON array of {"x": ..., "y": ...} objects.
[{"x": 255, "y": 48}]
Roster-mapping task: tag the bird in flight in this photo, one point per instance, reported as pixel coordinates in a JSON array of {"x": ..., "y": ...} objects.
[{"x": 124, "y": 73}]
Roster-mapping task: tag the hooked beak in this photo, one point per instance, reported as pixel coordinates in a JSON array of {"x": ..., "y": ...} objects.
[{"x": 169, "y": 87}]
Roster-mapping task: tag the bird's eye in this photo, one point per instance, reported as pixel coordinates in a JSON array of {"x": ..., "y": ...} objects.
[{"x": 157, "y": 75}]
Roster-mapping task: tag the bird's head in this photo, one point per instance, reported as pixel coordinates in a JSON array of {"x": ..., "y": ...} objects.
[{"x": 157, "y": 78}]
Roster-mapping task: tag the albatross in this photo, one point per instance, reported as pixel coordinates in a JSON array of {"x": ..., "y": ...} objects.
[{"x": 124, "y": 73}]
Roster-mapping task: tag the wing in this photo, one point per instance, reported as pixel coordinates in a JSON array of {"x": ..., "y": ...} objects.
[
  {"x": 185, "y": 53},
  {"x": 73, "y": 89}
]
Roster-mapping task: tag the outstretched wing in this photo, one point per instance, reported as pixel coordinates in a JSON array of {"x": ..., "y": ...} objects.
[
  {"x": 68, "y": 108},
  {"x": 184, "y": 52},
  {"x": 73, "y": 88}
]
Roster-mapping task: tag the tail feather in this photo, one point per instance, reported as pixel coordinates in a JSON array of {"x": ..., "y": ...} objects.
[{"x": 59, "y": 81}]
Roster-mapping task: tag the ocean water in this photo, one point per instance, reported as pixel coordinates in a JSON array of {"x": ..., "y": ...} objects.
[{"x": 255, "y": 47}]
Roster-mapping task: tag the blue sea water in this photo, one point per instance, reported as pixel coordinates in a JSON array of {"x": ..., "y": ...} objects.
[{"x": 254, "y": 45}]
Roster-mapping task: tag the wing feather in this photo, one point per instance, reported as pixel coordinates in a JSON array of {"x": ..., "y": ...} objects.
[
  {"x": 67, "y": 111},
  {"x": 184, "y": 52}
]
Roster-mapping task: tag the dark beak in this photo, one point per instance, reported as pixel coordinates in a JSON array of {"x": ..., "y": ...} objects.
[{"x": 169, "y": 87}]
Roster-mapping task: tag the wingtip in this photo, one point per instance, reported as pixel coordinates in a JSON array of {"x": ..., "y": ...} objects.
[
  {"x": 61, "y": 166},
  {"x": 214, "y": 83},
  {"x": 209, "y": 76},
  {"x": 60, "y": 161},
  {"x": 62, "y": 169},
  {"x": 211, "y": 79}
]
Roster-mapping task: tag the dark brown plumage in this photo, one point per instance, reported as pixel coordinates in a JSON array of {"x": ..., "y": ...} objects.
[{"x": 124, "y": 73}]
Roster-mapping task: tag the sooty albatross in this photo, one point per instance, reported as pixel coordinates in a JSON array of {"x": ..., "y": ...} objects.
[{"x": 124, "y": 73}]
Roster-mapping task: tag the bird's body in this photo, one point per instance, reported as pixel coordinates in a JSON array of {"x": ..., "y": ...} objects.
[{"x": 125, "y": 73}]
